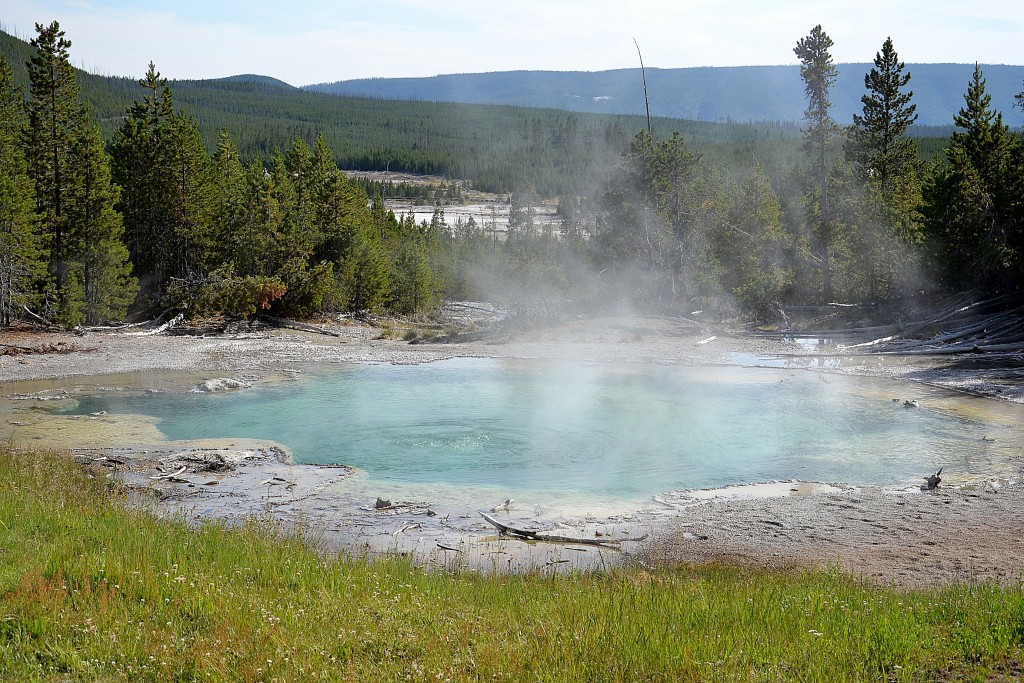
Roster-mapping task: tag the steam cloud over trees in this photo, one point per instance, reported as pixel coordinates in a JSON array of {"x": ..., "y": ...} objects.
[{"x": 90, "y": 232}]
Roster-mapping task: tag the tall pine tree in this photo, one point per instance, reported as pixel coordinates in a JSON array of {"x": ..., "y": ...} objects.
[
  {"x": 55, "y": 119},
  {"x": 877, "y": 144},
  {"x": 88, "y": 264},
  {"x": 819, "y": 75},
  {"x": 164, "y": 172},
  {"x": 140, "y": 166},
  {"x": 885, "y": 163},
  {"x": 972, "y": 203},
  {"x": 102, "y": 262},
  {"x": 21, "y": 259}
]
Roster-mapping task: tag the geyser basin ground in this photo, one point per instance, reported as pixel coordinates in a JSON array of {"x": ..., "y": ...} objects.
[
  {"x": 955, "y": 533},
  {"x": 614, "y": 431}
]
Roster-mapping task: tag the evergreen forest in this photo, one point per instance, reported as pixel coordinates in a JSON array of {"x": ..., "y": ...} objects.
[{"x": 121, "y": 197}]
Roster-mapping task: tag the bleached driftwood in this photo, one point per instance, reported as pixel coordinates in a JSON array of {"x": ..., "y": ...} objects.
[
  {"x": 873, "y": 342},
  {"x": 39, "y": 319},
  {"x": 157, "y": 330},
  {"x": 526, "y": 534},
  {"x": 126, "y": 326},
  {"x": 504, "y": 507},
  {"x": 169, "y": 475}
]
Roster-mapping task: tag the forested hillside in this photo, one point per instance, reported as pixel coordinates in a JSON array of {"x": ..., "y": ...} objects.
[
  {"x": 739, "y": 94},
  {"x": 497, "y": 148}
]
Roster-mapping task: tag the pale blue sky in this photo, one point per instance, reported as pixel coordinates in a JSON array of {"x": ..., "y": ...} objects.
[{"x": 309, "y": 41}]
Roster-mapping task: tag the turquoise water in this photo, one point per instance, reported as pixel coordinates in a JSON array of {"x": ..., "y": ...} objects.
[{"x": 619, "y": 430}]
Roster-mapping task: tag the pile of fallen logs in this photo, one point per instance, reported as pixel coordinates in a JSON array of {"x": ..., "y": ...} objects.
[
  {"x": 994, "y": 325},
  {"x": 990, "y": 326}
]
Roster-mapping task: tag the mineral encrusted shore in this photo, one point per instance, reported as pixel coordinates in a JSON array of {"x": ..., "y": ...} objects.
[{"x": 955, "y": 533}]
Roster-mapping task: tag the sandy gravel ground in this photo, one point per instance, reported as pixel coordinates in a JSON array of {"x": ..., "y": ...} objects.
[{"x": 907, "y": 538}]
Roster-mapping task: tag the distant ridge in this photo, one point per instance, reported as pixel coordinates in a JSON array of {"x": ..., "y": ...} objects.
[
  {"x": 258, "y": 80},
  {"x": 740, "y": 94}
]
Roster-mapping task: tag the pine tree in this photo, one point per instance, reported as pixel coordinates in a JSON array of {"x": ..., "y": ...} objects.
[
  {"x": 877, "y": 143},
  {"x": 75, "y": 199},
  {"x": 141, "y": 167},
  {"x": 983, "y": 137},
  {"x": 626, "y": 230},
  {"x": 229, "y": 205},
  {"x": 300, "y": 221},
  {"x": 263, "y": 223},
  {"x": 755, "y": 251},
  {"x": 338, "y": 212},
  {"x": 192, "y": 234},
  {"x": 283, "y": 193},
  {"x": 885, "y": 164},
  {"x": 366, "y": 280},
  {"x": 55, "y": 119},
  {"x": 21, "y": 259},
  {"x": 161, "y": 165},
  {"x": 819, "y": 75},
  {"x": 415, "y": 287},
  {"x": 102, "y": 262},
  {"x": 656, "y": 217},
  {"x": 972, "y": 203}
]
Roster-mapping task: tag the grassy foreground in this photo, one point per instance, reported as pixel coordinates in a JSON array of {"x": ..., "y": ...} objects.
[{"x": 91, "y": 591}]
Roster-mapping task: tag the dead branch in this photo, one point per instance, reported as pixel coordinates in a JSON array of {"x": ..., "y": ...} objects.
[
  {"x": 157, "y": 330},
  {"x": 647, "y": 102},
  {"x": 296, "y": 325},
  {"x": 37, "y": 318},
  {"x": 526, "y": 534},
  {"x": 169, "y": 475},
  {"x": 127, "y": 326},
  {"x": 448, "y": 547}
]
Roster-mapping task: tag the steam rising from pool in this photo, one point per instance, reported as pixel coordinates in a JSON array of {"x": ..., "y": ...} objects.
[{"x": 627, "y": 431}]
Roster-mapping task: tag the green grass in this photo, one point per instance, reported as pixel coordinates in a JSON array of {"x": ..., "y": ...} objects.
[{"x": 90, "y": 590}]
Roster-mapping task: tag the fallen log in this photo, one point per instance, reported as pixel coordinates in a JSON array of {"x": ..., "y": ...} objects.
[
  {"x": 958, "y": 310},
  {"x": 678, "y": 319},
  {"x": 126, "y": 326},
  {"x": 14, "y": 349},
  {"x": 163, "y": 328},
  {"x": 950, "y": 350},
  {"x": 296, "y": 325},
  {"x": 526, "y": 534},
  {"x": 39, "y": 319},
  {"x": 964, "y": 331},
  {"x": 873, "y": 342}
]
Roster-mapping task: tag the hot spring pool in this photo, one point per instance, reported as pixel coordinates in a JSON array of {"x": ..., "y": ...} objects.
[{"x": 621, "y": 430}]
